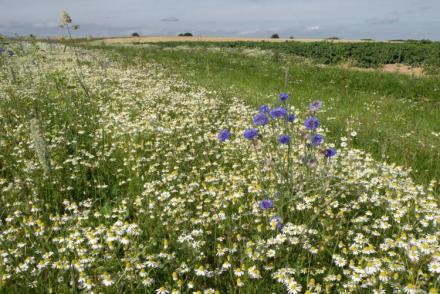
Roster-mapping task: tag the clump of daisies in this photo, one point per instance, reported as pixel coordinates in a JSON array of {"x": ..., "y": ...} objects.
[
  {"x": 338, "y": 216},
  {"x": 133, "y": 191}
]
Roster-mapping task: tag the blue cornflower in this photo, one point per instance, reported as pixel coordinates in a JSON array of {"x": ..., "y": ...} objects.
[
  {"x": 1, "y": 50},
  {"x": 266, "y": 204},
  {"x": 284, "y": 139},
  {"x": 330, "y": 152},
  {"x": 291, "y": 118},
  {"x": 250, "y": 134},
  {"x": 315, "y": 106},
  {"x": 316, "y": 139},
  {"x": 224, "y": 135},
  {"x": 278, "y": 112},
  {"x": 284, "y": 97},
  {"x": 260, "y": 119},
  {"x": 264, "y": 108},
  {"x": 311, "y": 123},
  {"x": 278, "y": 222}
]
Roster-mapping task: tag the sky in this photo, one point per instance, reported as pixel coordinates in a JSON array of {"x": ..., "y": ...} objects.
[{"x": 349, "y": 19}]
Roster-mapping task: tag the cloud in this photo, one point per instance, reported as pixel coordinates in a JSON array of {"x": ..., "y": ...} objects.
[
  {"x": 384, "y": 21},
  {"x": 313, "y": 28},
  {"x": 255, "y": 32},
  {"x": 379, "y": 19},
  {"x": 170, "y": 19}
]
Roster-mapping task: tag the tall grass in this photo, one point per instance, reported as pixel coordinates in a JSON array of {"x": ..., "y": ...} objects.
[
  {"x": 396, "y": 116},
  {"x": 129, "y": 190}
]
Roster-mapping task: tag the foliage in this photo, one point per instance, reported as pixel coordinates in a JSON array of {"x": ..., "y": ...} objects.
[
  {"x": 395, "y": 115},
  {"x": 363, "y": 54},
  {"x": 128, "y": 189}
]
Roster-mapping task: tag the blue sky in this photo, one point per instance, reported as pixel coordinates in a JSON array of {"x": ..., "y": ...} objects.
[{"x": 378, "y": 19}]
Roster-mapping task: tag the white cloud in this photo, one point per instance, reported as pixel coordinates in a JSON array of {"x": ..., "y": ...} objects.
[
  {"x": 170, "y": 19},
  {"x": 379, "y": 19},
  {"x": 313, "y": 28}
]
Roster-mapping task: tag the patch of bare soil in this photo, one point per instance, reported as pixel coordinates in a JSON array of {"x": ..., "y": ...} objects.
[
  {"x": 403, "y": 69},
  {"x": 391, "y": 68}
]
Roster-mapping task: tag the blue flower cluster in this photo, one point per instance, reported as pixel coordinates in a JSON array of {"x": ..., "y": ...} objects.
[
  {"x": 265, "y": 114},
  {"x": 278, "y": 222},
  {"x": 284, "y": 97},
  {"x": 311, "y": 123},
  {"x": 224, "y": 135},
  {"x": 315, "y": 106},
  {"x": 10, "y": 52},
  {"x": 284, "y": 139},
  {"x": 250, "y": 134},
  {"x": 278, "y": 112},
  {"x": 313, "y": 140},
  {"x": 330, "y": 152},
  {"x": 264, "y": 108},
  {"x": 260, "y": 119},
  {"x": 267, "y": 204}
]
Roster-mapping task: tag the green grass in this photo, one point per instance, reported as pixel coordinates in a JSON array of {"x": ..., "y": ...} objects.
[
  {"x": 113, "y": 179},
  {"x": 396, "y": 116},
  {"x": 369, "y": 54}
]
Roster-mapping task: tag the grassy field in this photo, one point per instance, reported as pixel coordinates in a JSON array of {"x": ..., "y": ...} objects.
[
  {"x": 150, "y": 170},
  {"x": 358, "y": 53},
  {"x": 396, "y": 116}
]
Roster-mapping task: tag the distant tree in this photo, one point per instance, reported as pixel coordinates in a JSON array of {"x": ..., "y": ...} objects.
[
  {"x": 333, "y": 38},
  {"x": 275, "y": 36},
  {"x": 291, "y": 38},
  {"x": 185, "y": 35},
  {"x": 425, "y": 41},
  {"x": 135, "y": 35}
]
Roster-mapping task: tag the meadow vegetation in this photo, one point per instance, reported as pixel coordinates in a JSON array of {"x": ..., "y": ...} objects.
[
  {"x": 362, "y": 54},
  {"x": 155, "y": 170},
  {"x": 396, "y": 116}
]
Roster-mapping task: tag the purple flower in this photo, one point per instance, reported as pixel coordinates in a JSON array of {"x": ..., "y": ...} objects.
[
  {"x": 278, "y": 112},
  {"x": 266, "y": 204},
  {"x": 311, "y": 123},
  {"x": 264, "y": 108},
  {"x": 316, "y": 139},
  {"x": 315, "y": 106},
  {"x": 260, "y": 119},
  {"x": 290, "y": 117},
  {"x": 284, "y": 139},
  {"x": 250, "y": 134},
  {"x": 284, "y": 97},
  {"x": 1, "y": 50},
  {"x": 278, "y": 222},
  {"x": 224, "y": 135},
  {"x": 330, "y": 152}
]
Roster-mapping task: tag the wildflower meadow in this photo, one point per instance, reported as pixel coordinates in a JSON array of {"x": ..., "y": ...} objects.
[{"x": 126, "y": 179}]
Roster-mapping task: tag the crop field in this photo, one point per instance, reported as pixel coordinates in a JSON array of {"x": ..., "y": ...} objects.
[
  {"x": 211, "y": 169},
  {"x": 363, "y": 54}
]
